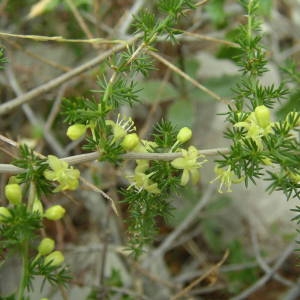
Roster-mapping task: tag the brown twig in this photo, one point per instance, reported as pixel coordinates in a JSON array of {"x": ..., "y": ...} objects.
[
  {"x": 263, "y": 280},
  {"x": 198, "y": 36},
  {"x": 189, "y": 78},
  {"x": 10, "y": 105},
  {"x": 201, "y": 278}
]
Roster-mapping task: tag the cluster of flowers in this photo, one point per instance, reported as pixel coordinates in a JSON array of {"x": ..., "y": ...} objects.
[
  {"x": 123, "y": 131},
  {"x": 258, "y": 125},
  {"x": 13, "y": 193},
  {"x": 66, "y": 178}
]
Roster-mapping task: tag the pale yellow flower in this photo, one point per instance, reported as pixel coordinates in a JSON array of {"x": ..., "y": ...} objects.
[
  {"x": 227, "y": 178},
  {"x": 189, "y": 164},
  {"x": 258, "y": 124},
  {"x": 67, "y": 177}
]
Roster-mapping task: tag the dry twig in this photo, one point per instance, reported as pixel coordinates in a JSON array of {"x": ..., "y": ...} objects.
[{"x": 215, "y": 268}]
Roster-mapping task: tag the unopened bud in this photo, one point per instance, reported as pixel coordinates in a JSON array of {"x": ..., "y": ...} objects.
[
  {"x": 13, "y": 193},
  {"x": 263, "y": 116},
  {"x": 54, "y": 213},
  {"x": 76, "y": 131},
  {"x": 4, "y": 214},
  {"x": 130, "y": 141},
  {"x": 38, "y": 206},
  {"x": 46, "y": 246},
  {"x": 184, "y": 135},
  {"x": 54, "y": 259}
]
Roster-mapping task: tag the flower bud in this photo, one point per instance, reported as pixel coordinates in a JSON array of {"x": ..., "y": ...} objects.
[
  {"x": 46, "y": 246},
  {"x": 263, "y": 116},
  {"x": 267, "y": 161},
  {"x": 13, "y": 193},
  {"x": 294, "y": 177},
  {"x": 4, "y": 213},
  {"x": 184, "y": 135},
  {"x": 130, "y": 141},
  {"x": 38, "y": 206},
  {"x": 54, "y": 213},
  {"x": 76, "y": 131},
  {"x": 54, "y": 259}
]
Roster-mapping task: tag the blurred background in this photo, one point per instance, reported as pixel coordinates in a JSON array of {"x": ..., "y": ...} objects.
[{"x": 253, "y": 226}]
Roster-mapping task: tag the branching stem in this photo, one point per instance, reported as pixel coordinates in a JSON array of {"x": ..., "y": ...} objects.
[{"x": 82, "y": 158}]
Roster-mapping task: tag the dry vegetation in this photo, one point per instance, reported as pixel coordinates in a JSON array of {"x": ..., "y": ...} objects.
[{"x": 208, "y": 249}]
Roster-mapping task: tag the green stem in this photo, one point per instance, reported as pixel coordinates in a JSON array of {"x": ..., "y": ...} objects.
[
  {"x": 25, "y": 271},
  {"x": 31, "y": 196},
  {"x": 25, "y": 248}
]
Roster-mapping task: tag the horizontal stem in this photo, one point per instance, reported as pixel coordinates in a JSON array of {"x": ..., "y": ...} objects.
[
  {"x": 81, "y": 158},
  {"x": 46, "y": 87}
]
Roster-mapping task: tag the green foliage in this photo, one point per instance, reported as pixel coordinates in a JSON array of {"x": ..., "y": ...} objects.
[
  {"x": 142, "y": 64},
  {"x": 18, "y": 233},
  {"x": 292, "y": 77},
  {"x": 145, "y": 207},
  {"x": 80, "y": 110},
  {"x": 151, "y": 26},
  {"x": 20, "y": 227},
  {"x": 254, "y": 147},
  {"x": 52, "y": 274},
  {"x": 34, "y": 168},
  {"x": 3, "y": 59},
  {"x": 118, "y": 93},
  {"x": 175, "y": 7}
]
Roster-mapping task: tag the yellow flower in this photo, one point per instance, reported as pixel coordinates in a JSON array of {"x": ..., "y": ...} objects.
[
  {"x": 189, "y": 164},
  {"x": 294, "y": 177},
  {"x": 226, "y": 177},
  {"x": 142, "y": 181},
  {"x": 66, "y": 176},
  {"x": 121, "y": 128},
  {"x": 258, "y": 124},
  {"x": 263, "y": 116}
]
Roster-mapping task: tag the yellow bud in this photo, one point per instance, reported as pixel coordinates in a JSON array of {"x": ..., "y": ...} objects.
[
  {"x": 130, "y": 141},
  {"x": 46, "y": 246},
  {"x": 4, "y": 213},
  {"x": 267, "y": 161},
  {"x": 54, "y": 213},
  {"x": 76, "y": 131},
  {"x": 13, "y": 193},
  {"x": 263, "y": 116},
  {"x": 294, "y": 177},
  {"x": 38, "y": 206},
  {"x": 54, "y": 259},
  {"x": 184, "y": 135}
]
